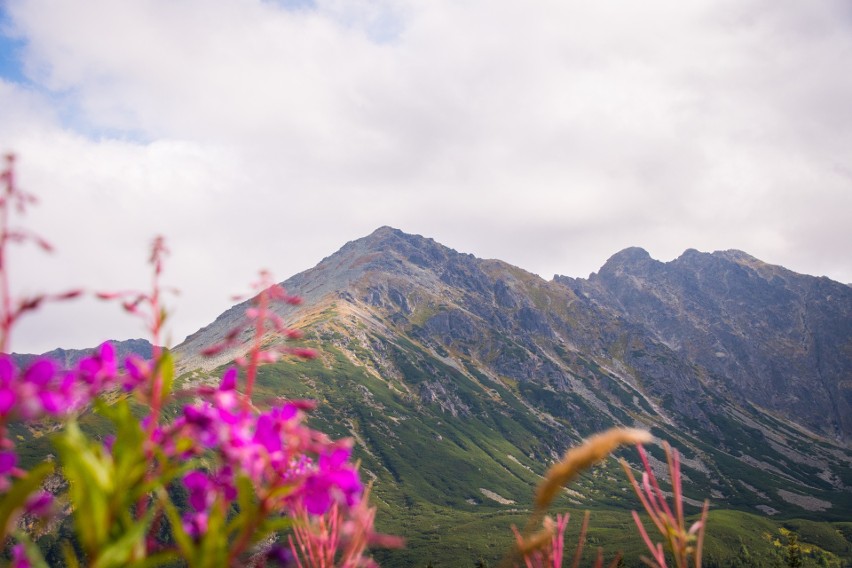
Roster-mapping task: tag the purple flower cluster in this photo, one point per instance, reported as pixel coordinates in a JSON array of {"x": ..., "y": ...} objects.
[
  {"x": 274, "y": 449},
  {"x": 291, "y": 466},
  {"x": 293, "y": 470},
  {"x": 42, "y": 389}
]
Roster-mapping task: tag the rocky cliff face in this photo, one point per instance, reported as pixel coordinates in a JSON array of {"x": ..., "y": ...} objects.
[
  {"x": 437, "y": 361},
  {"x": 762, "y": 333}
]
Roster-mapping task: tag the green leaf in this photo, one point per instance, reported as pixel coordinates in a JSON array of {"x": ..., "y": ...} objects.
[
  {"x": 213, "y": 548},
  {"x": 245, "y": 494},
  {"x": 119, "y": 552},
  {"x": 169, "y": 557},
  {"x": 166, "y": 371},
  {"x": 90, "y": 475},
  {"x": 128, "y": 450},
  {"x": 170, "y": 469},
  {"x": 247, "y": 504},
  {"x": 275, "y": 524},
  {"x": 89, "y": 459},
  {"x": 182, "y": 538},
  {"x": 70, "y": 556},
  {"x": 280, "y": 492},
  {"x": 17, "y": 496}
]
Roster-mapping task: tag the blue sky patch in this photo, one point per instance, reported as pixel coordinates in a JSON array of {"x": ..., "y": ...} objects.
[
  {"x": 296, "y": 4},
  {"x": 11, "y": 50}
]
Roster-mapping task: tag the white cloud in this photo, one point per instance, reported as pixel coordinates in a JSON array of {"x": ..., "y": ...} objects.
[{"x": 266, "y": 134}]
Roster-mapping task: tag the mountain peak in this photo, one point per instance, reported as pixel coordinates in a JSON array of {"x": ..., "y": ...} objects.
[
  {"x": 731, "y": 255},
  {"x": 627, "y": 260},
  {"x": 387, "y": 237},
  {"x": 384, "y": 232},
  {"x": 630, "y": 255},
  {"x": 737, "y": 256},
  {"x": 692, "y": 259}
]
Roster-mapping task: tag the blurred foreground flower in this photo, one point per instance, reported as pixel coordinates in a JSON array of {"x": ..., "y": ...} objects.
[
  {"x": 249, "y": 473},
  {"x": 684, "y": 544}
]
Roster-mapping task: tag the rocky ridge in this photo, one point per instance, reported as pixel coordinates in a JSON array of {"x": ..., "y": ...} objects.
[{"x": 744, "y": 365}]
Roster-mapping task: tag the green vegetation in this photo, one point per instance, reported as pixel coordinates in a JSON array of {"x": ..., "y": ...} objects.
[
  {"x": 431, "y": 459},
  {"x": 430, "y": 466}
]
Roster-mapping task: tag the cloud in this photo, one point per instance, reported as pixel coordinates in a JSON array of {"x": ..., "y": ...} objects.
[{"x": 266, "y": 134}]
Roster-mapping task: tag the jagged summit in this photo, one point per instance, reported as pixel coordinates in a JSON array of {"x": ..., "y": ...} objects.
[
  {"x": 693, "y": 256},
  {"x": 630, "y": 254},
  {"x": 736, "y": 255},
  {"x": 386, "y": 237},
  {"x": 761, "y": 332},
  {"x": 385, "y": 245},
  {"x": 629, "y": 259},
  {"x": 633, "y": 257}
]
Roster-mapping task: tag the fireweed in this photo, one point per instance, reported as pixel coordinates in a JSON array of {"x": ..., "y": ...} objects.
[
  {"x": 248, "y": 472},
  {"x": 684, "y": 544}
]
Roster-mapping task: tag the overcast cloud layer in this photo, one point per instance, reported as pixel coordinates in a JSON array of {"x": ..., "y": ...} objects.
[{"x": 549, "y": 134}]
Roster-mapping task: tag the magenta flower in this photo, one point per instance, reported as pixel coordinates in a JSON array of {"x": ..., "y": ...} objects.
[
  {"x": 199, "y": 486},
  {"x": 229, "y": 380},
  {"x": 40, "y": 372},
  {"x": 223, "y": 480},
  {"x": 100, "y": 369},
  {"x": 7, "y": 399},
  {"x": 8, "y": 461},
  {"x": 195, "y": 524},
  {"x": 7, "y": 392},
  {"x": 138, "y": 372},
  {"x": 333, "y": 481},
  {"x": 39, "y": 504},
  {"x": 42, "y": 389},
  {"x": 19, "y": 557},
  {"x": 268, "y": 434},
  {"x": 339, "y": 537},
  {"x": 275, "y": 449}
]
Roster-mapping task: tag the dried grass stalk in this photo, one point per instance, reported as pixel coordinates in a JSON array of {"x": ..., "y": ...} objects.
[
  {"x": 593, "y": 450},
  {"x": 582, "y": 457}
]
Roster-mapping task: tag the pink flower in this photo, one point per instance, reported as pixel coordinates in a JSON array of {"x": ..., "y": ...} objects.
[
  {"x": 7, "y": 399},
  {"x": 99, "y": 369},
  {"x": 8, "y": 461},
  {"x": 195, "y": 524},
  {"x": 39, "y": 390},
  {"x": 685, "y": 545},
  {"x": 199, "y": 486},
  {"x": 41, "y": 372},
  {"x": 138, "y": 372},
  {"x": 39, "y": 504},
  {"x": 334, "y": 481},
  {"x": 339, "y": 537},
  {"x": 8, "y": 370},
  {"x": 229, "y": 380},
  {"x": 19, "y": 557}
]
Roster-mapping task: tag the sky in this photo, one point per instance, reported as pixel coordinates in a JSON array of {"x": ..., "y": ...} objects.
[{"x": 550, "y": 134}]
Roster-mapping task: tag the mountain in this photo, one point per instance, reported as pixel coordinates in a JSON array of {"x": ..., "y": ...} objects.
[
  {"x": 461, "y": 379},
  {"x": 67, "y": 358},
  {"x": 760, "y": 333}
]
